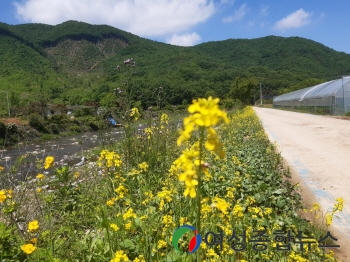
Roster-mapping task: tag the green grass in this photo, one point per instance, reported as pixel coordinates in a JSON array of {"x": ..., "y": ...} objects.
[{"x": 132, "y": 201}]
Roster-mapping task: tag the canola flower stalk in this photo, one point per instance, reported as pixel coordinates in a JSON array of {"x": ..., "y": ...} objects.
[{"x": 204, "y": 115}]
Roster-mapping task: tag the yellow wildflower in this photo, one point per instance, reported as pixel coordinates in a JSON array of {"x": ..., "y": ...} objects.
[
  {"x": 128, "y": 214},
  {"x": 121, "y": 190},
  {"x": 221, "y": 204},
  {"x": 182, "y": 220},
  {"x": 135, "y": 113},
  {"x": 34, "y": 240},
  {"x": 33, "y": 226},
  {"x": 128, "y": 225},
  {"x": 237, "y": 211},
  {"x": 339, "y": 204},
  {"x": 2, "y": 196},
  {"x": 49, "y": 161},
  {"x": 167, "y": 220},
  {"x": 297, "y": 258},
  {"x": 161, "y": 244},
  {"x": 164, "y": 118},
  {"x": 109, "y": 159},
  {"x": 316, "y": 207},
  {"x": 28, "y": 248},
  {"x": 204, "y": 113},
  {"x": 148, "y": 131},
  {"x": 120, "y": 256},
  {"x": 40, "y": 176},
  {"x": 110, "y": 202},
  {"x": 140, "y": 258},
  {"x": 329, "y": 219},
  {"x": 143, "y": 166},
  {"x": 114, "y": 227}
]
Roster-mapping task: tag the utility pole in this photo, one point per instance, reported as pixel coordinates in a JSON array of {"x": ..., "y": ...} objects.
[
  {"x": 342, "y": 84},
  {"x": 261, "y": 95}
]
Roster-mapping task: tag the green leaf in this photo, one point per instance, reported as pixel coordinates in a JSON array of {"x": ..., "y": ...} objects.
[
  {"x": 281, "y": 202},
  {"x": 128, "y": 244},
  {"x": 173, "y": 256}
]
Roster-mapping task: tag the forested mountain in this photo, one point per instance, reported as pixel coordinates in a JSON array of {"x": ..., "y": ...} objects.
[{"x": 77, "y": 63}]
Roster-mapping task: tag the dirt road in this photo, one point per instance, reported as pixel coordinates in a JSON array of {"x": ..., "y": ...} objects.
[{"x": 317, "y": 149}]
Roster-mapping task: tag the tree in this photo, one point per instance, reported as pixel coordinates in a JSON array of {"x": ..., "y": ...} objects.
[{"x": 243, "y": 89}]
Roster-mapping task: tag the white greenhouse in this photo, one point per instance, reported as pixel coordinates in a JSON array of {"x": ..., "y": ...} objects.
[{"x": 332, "y": 97}]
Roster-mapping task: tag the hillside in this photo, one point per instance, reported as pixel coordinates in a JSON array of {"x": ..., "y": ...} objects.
[{"x": 76, "y": 63}]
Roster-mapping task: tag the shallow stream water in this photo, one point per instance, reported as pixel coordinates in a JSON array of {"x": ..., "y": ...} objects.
[{"x": 66, "y": 150}]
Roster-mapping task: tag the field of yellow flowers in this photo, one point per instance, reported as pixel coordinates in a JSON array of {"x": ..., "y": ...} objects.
[{"x": 219, "y": 174}]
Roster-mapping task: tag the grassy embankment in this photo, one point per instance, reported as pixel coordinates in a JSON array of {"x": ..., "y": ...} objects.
[{"x": 127, "y": 205}]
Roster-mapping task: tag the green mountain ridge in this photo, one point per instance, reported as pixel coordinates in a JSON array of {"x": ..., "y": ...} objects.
[{"x": 76, "y": 63}]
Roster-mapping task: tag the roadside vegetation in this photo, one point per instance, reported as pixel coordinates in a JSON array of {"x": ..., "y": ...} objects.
[{"x": 220, "y": 174}]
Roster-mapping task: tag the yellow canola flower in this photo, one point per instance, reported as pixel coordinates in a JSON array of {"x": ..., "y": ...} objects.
[
  {"x": 129, "y": 214},
  {"x": 296, "y": 257},
  {"x": 164, "y": 118},
  {"x": 187, "y": 165},
  {"x": 148, "y": 131},
  {"x": 143, "y": 166},
  {"x": 40, "y": 176},
  {"x": 128, "y": 225},
  {"x": 339, "y": 204},
  {"x": 114, "y": 227},
  {"x": 220, "y": 204},
  {"x": 2, "y": 196},
  {"x": 120, "y": 256},
  {"x": 161, "y": 244},
  {"x": 135, "y": 113},
  {"x": 329, "y": 219},
  {"x": 238, "y": 211},
  {"x": 33, "y": 226},
  {"x": 49, "y": 161},
  {"x": 140, "y": 258},
  {"x": 204, "y": 113},
  {"x": 109, "y": 159},
  {"x": 33, "y": 240},
  {"x": 316, "y": 207},
  {"x": 28, "y": 248}
]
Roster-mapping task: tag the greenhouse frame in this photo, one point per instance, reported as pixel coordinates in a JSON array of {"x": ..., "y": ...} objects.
[{"x": 332, "y": 97}]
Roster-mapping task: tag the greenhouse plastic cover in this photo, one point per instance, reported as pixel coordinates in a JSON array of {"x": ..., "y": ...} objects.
[{"x": 326, "y": 89}]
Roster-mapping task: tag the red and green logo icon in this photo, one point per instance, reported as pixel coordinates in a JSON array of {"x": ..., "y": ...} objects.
[{"x": 195, "y": 241}]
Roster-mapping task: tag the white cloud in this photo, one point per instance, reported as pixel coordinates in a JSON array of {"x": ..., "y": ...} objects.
[
  {"x": 184, "y": 40},
  {"x": 238, "y": 14},
  {"x": 140, "y": 17},
  {"x": 297, "y": 19},
  {"x": 264, "y": 11}
]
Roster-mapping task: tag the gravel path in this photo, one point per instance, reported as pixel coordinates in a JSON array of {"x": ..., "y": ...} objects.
[{"x": 317, "y": 149}]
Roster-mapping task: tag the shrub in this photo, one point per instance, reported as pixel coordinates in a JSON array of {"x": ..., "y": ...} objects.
[
  {"x": 36, "y": 121},
  {"x": 3, "y": 130},
  {"x": 83, "y": 112},
  {"x": 53, "y": 128},
  {"x": 75, "y": 129}
]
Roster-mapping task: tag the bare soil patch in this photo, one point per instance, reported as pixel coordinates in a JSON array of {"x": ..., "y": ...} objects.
[{"x": 14, "y": 120}]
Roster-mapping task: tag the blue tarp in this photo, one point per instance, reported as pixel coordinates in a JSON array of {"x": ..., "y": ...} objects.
[{"x": 112, "y": 121}]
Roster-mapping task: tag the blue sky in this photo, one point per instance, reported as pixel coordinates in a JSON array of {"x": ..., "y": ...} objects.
[{"x": 190, "y": 22}]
